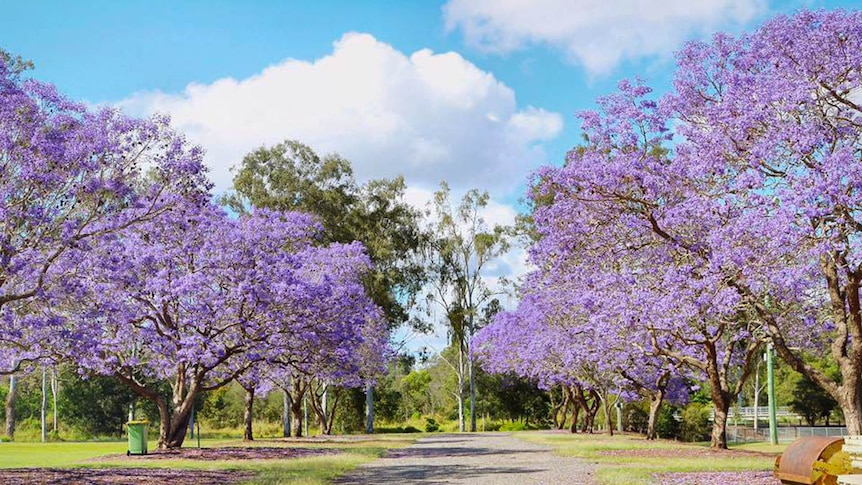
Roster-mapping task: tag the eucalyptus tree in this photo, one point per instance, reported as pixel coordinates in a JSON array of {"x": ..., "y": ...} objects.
[
  {"x": 291, "y": 176},
  {"x": 457, "y": 249}
]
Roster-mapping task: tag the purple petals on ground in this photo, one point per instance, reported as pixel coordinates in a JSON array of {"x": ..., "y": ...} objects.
[{"x": 717, "y": 478}]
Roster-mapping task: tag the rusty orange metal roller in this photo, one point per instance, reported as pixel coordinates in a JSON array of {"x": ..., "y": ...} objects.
[{"x": 814, "y": 460}]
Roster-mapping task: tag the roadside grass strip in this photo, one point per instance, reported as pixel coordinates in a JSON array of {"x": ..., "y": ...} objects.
[
  {"x": 100, "y": 462},
  {"x": 632, "y": 460}
]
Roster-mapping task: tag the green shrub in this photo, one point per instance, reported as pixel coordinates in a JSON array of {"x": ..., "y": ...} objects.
[
  {"x": 431, "y": 425},
  {"x": 666, "y": 425},
  {"x": 493, "y": 426},
  {"x": 636, "y": 417},
  {"x": 695, "y": 424},
  {"x": 516, "y": 426},
  {"x": 396, "y": 429}
]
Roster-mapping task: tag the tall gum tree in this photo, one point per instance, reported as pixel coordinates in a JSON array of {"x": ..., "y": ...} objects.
[
  {"x": 457, "y": 248},
  {"x": 291, "y": 176}
]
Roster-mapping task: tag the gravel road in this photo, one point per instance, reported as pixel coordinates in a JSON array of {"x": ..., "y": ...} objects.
[{"x": 484, "y": 458}]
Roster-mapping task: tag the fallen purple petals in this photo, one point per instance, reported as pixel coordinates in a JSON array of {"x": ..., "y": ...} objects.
[{"x": 717, "y": 478}]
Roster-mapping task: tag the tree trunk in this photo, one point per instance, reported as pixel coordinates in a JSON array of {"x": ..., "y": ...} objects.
[
  {"x": 184, "y": 394},
  {"x": 576, "y": 412},
  {"x": 54, "y": 391},
  {"x": 164, "y": 421},
  {"x": 655, "y": 403},
  {"x": 719, "y": 425},
  {"x": 471, "y": 376},
  {"x": 461, "y": 426},
  {"x": 590, "y": 408},
  {"x": 324, "y": 408},
  {"x": 369, "y": 409},
  {"x": 248, "y": 416},
  {"x": 851, "y": 406},
  {"x": 561, "y": 414},
  {"x": 606, "y": 410},
  {"x": 10, "y": 407},
  {"x": 320, "y": 406},
  {"x": 285, "y": 416},
  {"x": 44, "y": 411},
  {"x": 296, "y": 414},
  {"x": 177, "y": 435}
]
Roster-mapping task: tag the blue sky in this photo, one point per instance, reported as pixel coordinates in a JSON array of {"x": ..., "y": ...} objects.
[
  {"x": 109, "y": 51},
  {"x": 477, "y": 92}
]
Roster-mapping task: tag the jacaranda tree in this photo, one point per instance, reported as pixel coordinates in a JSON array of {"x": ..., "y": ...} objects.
[
  {"x": 69, "y": 175},
  {"x": 724, "y": 214}
]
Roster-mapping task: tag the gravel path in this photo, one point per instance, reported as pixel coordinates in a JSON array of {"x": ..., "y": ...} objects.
[{"x": 484, "y": 458}]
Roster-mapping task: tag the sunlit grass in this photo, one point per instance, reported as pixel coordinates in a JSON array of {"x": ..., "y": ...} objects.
[
  {"x": 622, "y": 469},
  {"x": 355, "y": 450}
]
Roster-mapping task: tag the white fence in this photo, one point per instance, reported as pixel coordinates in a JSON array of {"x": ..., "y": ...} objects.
[
  {"x": 746, "y": 413},
  {"x": 786, "y": 434}
]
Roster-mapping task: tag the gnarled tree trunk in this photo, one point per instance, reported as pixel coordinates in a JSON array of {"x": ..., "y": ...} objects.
[
  {"x": 655, "y": 402},
  {"x": 248, "y": 416}
]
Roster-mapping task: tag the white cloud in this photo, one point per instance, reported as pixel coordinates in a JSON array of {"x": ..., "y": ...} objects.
[
  {"x": 596, "y": 34},
  {"x": 427, "y": 116}
]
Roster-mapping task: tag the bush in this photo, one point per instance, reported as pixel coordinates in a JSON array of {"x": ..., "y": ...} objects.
[
  {"x": 97, "y": 406},
  {"x": 666, "y": 425},
  {"x": 396, "y": 429},
  {"x": 635, "y": 417},
  {"x": 431, "y": 425},
  {"x": 695, "y": 424},
  {"x": 493, "y": 426},
  {"x": 516, "y": 426}
]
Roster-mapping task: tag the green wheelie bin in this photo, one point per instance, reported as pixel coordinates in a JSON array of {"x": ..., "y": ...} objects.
[{"x": 137, "y": 437}]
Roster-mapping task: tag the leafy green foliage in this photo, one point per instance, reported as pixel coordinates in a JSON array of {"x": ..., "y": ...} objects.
[
  {"x": 667, "y": 426},
  {"x": 696, "y": 425},
  {"x": 811, "y": 402},
  {"x": 95, "y": 406},
  {"x": 431, "y": 425},
  {"x": 291, "y": 176}
]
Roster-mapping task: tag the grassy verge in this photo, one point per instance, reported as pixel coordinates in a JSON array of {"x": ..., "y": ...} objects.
[
  {"x": 632, "y": 460},
  {"x": 323, "y": 469}
]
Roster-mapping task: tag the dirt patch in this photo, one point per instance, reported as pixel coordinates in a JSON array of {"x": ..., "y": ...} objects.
[
  {"x": 717, "y": 478},
  {"x": 150, "y": 476},
  {"x": 692, "y": 452},
  {"x": 228, "y": 453}
]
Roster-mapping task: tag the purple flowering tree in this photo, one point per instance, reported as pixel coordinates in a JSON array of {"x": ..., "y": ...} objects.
[
  {"x": 737, "y": 226},
  {"x": 69, "y": 175},
  {"x": 621, "y": 230},
  {"x": 198, "y": 299},
  {"x": 771, "y": 123}
]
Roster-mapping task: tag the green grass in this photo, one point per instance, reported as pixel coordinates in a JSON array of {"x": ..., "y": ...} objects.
[
  {"x": 615, "y": 469},
  {"x": 58, "y": 454},
  {"x": 298, "y": 471}
]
